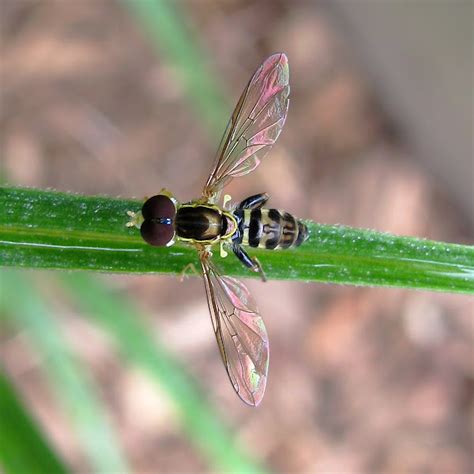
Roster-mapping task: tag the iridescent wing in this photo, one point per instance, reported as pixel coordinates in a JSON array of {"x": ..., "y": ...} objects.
[
  {"x": 240, "y": 332},
  {"x": 254, "y": 126}
]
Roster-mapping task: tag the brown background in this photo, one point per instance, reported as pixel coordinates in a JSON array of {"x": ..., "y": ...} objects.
[{"x": 361, "y": 380}]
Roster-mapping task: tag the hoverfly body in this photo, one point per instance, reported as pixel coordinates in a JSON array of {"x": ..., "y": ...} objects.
[{"x": 253, "y": 128}]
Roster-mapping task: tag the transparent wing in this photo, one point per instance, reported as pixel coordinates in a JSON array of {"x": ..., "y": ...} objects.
[
  {"x": 254, "y": 126},
  {"x": 240, "y": 332}
]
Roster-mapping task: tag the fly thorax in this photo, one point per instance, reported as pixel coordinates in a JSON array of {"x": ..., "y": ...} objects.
[{"x": 200, "y": 223}]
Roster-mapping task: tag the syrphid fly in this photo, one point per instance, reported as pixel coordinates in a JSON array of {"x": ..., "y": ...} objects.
[{"x": 253, "y": 128}]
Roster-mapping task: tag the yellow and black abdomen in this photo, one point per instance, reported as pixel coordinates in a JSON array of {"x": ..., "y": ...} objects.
[{"x": 271, "y": 229}]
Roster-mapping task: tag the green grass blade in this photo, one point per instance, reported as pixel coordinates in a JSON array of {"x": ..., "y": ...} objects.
[
  {"x": 24, "y": 306},
  {"x": 45, "y": 229},
  {"x": 334, "y": 254},
  {"x": 120, "y": 320},
  {"x": 23, "y": 448}
]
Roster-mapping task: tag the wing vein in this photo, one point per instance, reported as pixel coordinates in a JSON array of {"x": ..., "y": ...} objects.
[
  {"x": 267, "y": 90},
  {"x": 240, "y": 333}
]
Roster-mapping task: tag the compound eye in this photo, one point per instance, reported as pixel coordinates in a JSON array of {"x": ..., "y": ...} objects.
[
  {"x": 157, "y": 234},
  {"x": 159, "y": 207}
]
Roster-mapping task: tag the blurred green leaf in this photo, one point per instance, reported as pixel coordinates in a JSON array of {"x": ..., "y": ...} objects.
[
  {"x": 166, "y": 26},
  {"x": 24, "y": 306},
  {"x": 23, "y": 448},
  {"x": 120, "y": 320},
  {"x": 46, "y": 229}
]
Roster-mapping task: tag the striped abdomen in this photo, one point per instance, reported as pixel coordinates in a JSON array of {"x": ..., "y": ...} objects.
[{"x": 270, "y": 229}]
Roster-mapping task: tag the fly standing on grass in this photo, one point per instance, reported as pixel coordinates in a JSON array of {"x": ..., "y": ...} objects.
[{"x": 253, "y": 128}]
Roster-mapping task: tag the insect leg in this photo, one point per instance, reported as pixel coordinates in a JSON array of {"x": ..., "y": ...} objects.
[
  {"x": 189, "y": 268},
  {"x": 248, "y": 261},
  {"x": 254, "y": 202}
]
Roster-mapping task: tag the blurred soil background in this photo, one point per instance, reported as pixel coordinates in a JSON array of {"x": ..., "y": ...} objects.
[{"x": 361, "y": 380}]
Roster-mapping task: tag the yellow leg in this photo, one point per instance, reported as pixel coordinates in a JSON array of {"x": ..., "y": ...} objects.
[{"x": 190, "y": 267}]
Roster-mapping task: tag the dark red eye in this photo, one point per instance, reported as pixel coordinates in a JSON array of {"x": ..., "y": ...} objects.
[
  {"x": 158, "y": 226},
  {"x": 159, "y": 207},
  {"x": 156, "y": 234}
]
